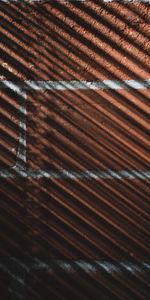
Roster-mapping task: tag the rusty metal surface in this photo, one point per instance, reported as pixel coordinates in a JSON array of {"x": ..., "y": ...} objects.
[{"x": 84, "y": 230}]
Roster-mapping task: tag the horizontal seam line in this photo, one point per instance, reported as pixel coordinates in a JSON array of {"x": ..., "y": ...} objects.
[
  {"x": 63, "y": 1},
  {"x": 87, "y": 174},
  {"x": 91, "y": 266},
  {"x": 75, "y": 84}
]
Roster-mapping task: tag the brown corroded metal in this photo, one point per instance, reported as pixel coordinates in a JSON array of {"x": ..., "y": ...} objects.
[{"x": 80, "y": 219}]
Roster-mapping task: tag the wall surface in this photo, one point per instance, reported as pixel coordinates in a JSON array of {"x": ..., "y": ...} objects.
[{"x": 74, "y": 150}]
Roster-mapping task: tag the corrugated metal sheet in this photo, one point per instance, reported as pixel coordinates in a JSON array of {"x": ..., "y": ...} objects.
[{"x": 74, "y": 195}]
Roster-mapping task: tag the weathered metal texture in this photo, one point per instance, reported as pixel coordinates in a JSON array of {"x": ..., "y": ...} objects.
[{"x": 90, "y": 232}]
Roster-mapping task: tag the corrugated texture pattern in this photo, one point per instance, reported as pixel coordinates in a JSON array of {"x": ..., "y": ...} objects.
[{"x": 91, "y": 235}]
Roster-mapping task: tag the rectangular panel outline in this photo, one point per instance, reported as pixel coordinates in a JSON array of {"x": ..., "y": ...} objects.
[{"x": 21, "y": 88}]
